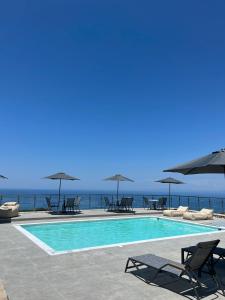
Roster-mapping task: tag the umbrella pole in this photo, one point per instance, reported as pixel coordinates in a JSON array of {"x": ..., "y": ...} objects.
[
  {"x": 117, "y": 194},
  {"x": 60, "y": 182},
  {"x": 169, "y": 197}
]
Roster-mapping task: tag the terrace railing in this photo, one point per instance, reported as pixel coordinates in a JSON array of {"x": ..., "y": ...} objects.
[{"x": 32, "y": 202}]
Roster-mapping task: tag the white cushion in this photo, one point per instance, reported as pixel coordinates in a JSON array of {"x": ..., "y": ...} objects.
[{"x": 183, "y": 208}]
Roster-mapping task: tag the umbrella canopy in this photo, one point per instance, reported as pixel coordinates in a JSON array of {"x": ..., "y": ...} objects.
[
  {"x": 211, "y": 163},
  {"x": 170, "y": 180},
  {"x": 118, "y": 178},
  {"x": 61, "y": 176}
]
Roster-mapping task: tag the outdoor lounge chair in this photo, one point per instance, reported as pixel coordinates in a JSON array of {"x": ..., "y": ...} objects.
[
  {"x": 203, "y": 214},
  {"x": 175, "y": 212},
  {"x": 147, "y": 203},
  {"x": 191, "y": 268},
  {"x": 126, "y": 204},
  {"x": 9, "y": 210},
  {"x": 50, "y": 205},
  {"x": 129, "y": 203},
  {"x": 162, "y": 203},
  {"x": 109, "y": 205},
  {"x": 70, "y": 204},
  {"x": 77, "y": 204}
]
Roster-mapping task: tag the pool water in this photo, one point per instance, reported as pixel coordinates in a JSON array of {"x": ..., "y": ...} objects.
[{"x": 78, "y": 235}]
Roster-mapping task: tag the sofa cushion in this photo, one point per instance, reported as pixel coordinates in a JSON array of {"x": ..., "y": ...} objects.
[
  {"x": 5, "y": 208},
  {"x": 208, "y": 212},
  {"x": 183, "y": 208},
  {"x": 10, "y": 204}
]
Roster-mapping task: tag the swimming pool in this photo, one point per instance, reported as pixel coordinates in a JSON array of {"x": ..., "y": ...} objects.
[{"x": 63, "y": 237}]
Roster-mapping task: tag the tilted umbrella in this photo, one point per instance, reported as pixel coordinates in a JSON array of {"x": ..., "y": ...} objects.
[
  {"x": 170, "y": 180},
  {"x": 211, "y": 163},
  {"x": 118, "y": 178},
  {"x": 61, "y": 176}
]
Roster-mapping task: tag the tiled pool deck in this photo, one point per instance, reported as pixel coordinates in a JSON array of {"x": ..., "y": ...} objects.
[
  {"x": 41, "y": 215},
  {"x": 29, "y": 273}
]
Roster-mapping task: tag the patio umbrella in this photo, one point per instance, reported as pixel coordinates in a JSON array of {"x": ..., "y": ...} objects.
[
  {"x": 61, "y": 176},
  {"x": 211, "y": 163},
  {"x": 118, "y": 178},
  {"x": 170, "y": 180}
]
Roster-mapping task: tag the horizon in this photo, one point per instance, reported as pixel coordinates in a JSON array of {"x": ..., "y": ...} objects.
[
  {"x": 101, "y": 88},
  {"x": 163, "y": 192}
]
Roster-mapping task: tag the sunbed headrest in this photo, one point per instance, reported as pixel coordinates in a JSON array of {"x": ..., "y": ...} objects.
[
  {"x": 10, "y": 204},
  {"x": 206, "y": 211},
  {"x": 182, "y": 208}
]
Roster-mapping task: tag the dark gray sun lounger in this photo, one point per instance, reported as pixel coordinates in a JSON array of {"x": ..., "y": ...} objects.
[{"x": 192, "y": 268}]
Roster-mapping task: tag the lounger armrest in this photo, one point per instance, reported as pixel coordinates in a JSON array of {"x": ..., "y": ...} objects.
[{"x": 174, "y": 265}]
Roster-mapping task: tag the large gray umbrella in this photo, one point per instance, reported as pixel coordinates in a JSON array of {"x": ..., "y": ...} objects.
[
  {"x": 170, "y": 180},
  {"x": 118, "y": 178},
  {"x": 61, "y": 176},
  {"x": 211, "y": 163}
]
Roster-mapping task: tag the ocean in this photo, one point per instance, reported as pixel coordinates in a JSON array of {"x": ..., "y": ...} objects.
[{"x": 34, "y": 199}]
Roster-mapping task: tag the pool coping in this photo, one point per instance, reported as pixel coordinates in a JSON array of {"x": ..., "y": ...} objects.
[{"x": 51, "y": 251}]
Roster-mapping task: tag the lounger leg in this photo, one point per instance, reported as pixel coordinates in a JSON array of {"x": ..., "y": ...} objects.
[
  {"x": 127, "y": 265},
  {"x": 219, "y": 284},
  {"x": 191, "y": 276},
  {"x": 195, "y": 290},
  {"x": 135, "y": 264}
]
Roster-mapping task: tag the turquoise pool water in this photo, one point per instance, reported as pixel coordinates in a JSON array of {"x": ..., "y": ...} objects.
[{"x": 65, "y": 236}]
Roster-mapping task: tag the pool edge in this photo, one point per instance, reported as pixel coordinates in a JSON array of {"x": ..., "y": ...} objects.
[{"x": 51, "y": 251}]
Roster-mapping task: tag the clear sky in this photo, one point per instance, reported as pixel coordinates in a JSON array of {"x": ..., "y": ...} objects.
[{"x": 95, "y": 88}]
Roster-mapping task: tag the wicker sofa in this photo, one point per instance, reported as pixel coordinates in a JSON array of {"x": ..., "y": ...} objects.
[
  {"x": 175, "y": 212},
  {"x": 9, "y": 210},
  {"x": 203, "y": 214}
]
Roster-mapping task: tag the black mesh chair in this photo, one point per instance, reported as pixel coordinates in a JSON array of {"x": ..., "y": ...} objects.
[
  {"x": 77, "y": 204},
  {"x": 126, "y": 204},
  {"x": 50, "y": 205},
  {"x": 109, "y": 205},
  {"x": 70, "y": 204},
  {"x": 191, "y": 268},
  {"x": 147, "y": 203},
  {"x": 129, "y": 203},
  {"x": 162, "y": 202}
]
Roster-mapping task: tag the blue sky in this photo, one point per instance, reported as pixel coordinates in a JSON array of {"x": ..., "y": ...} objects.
[{"x": 95, "y": 88}]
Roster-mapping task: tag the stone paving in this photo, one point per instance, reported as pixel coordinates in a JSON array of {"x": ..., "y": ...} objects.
[{"x": 29, "y": 273}]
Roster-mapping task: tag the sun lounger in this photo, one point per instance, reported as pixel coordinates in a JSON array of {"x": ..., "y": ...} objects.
[
  {"x": 9, "y": 210},
  {"x": 203, "y": 214},
  {"x": 175, "y": 212},
  {"x": 192, "y": 268}
]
